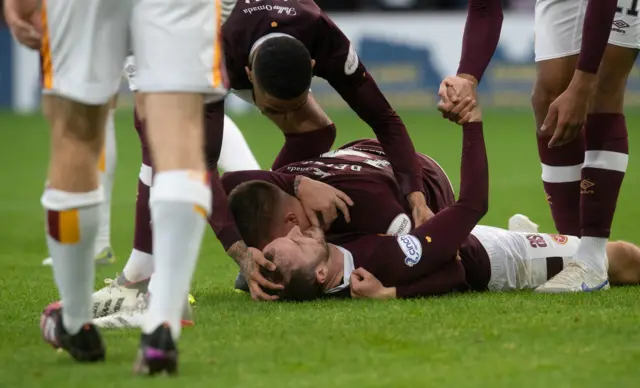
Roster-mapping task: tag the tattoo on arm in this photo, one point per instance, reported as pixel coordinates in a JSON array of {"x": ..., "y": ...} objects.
[{"x": 241, "y": 255}]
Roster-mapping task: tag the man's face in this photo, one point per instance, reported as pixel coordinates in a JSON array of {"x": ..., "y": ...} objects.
[
  {"x": 298, "y": 250},
  {"x": 274, "y": 107}
]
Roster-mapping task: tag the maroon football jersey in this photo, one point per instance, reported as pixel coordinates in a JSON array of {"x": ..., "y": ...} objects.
[
  {"x": 424, "y": 261},
  {"x": 336, "y": 62},
  {"x": 362, "y": 171}
]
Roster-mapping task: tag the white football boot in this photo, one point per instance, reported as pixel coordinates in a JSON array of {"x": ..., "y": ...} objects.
[
  {"x": 132, "y": 318},
  {"x": 119, "y": 294},
  {"x": 522, "y": 223},
  {"x": 575, "y": 277}
]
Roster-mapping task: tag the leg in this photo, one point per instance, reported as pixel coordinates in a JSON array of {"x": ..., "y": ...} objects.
[
  {"x": 560, "y": 165},
  {"x": 236, "y": 154},
  {"x": 77, "y": 111},
  {"x": 624, "y": 263},
  {"x": 521, "y": 260},
  {"x": 107, "y": 167},
  {"x": 606, "y": 157},
  {"x": 124, "y": 292},
  {"x": 558, "y": 37},
  {"x": 181, "y": 198}
]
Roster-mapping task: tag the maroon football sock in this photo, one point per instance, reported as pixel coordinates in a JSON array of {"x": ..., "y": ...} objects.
[
  {"x": 561, "y": 178},
  {"x": 142, "y": 240},
  {"x": 604, "y": 167}
]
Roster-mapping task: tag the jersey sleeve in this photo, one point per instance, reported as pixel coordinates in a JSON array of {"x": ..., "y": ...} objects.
[
  {"x": 221, "y": 219},
  {"x": 595, "y": 33},
  {"x": 338, "y": 63},
  {"x": 448, "y": 278},
  {"x": 406, "y": 259},
  {"x": 481, "y": 36}
]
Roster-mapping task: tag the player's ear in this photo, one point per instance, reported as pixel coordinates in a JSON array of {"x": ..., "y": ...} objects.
[
  {"x": 290, "y": 219},
  {"x": 249, "y": 75},
  {"x": 313, "y": 63},
  {"x": 321, "y": 274}
]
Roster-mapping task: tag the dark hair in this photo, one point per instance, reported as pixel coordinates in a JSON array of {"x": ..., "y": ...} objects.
[
  {"x": 301, "y": 287},
  {"x": 255, "y": 206},
  {"x": 282, "y": 67}
]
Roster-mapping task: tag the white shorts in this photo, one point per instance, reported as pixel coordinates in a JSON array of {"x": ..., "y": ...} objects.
[
  {"x": 521, "y": 260},
  {"x": 176, "y": 44},
  {"x": 558, "y": 27}
]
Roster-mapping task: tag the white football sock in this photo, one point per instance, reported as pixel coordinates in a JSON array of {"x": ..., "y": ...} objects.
[
  {"x": 179, "y": 205},
  {"x": 139, "y": 266},
  {"x": 235, "y": 154},
  {"x": 592, "y": 252},
  {"x": 72, "y": 226},
  {"x": 108, "y": 161}
]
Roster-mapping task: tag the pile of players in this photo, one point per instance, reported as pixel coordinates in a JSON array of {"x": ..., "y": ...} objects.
[{"x": 306, "y": 229}]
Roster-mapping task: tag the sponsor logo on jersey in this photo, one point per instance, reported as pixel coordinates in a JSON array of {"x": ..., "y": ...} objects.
[
  {"x": 411, "y": 248},
  {"x": 351, "y": 64},
  {"x": 559, "y": 238},
  {"x": 400, "y": 225},
  {"x": 289, "y": 11}
]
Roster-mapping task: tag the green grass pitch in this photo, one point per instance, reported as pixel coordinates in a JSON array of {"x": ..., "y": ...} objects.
[{"x": 474, "y": 340}]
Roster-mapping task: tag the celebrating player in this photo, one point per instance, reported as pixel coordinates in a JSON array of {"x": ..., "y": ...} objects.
[
  {"x": 77, "y": 85},
  {"x": 580, "y": 82}
]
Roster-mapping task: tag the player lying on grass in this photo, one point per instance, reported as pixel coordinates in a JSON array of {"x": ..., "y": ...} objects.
[
  {"x": 349, "y": 175},
  {"x": 361, "y": 171},
  {"x": 448, "y": 253}
]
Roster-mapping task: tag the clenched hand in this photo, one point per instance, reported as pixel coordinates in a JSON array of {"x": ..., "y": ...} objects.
[
  {"x": 458, "y": 97},
  {"x": 365, "y": 285}
]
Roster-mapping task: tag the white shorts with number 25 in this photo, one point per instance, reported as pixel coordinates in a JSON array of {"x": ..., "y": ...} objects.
[{"x": 524, "y": 260}]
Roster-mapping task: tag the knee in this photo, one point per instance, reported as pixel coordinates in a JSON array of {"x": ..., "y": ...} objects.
[
  {"x": 624, "y": 263},
  {"x": 76, "y": 122},
  {"x": 545, "y": 91},
  {"x": 552, "y": 79}
]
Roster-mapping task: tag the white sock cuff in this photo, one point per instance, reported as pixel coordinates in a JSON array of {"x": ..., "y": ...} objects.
[
  {"x": 146, "y": 175},
  {"x": 182, "y": 186},
  {"x": 59, "y": 200}
]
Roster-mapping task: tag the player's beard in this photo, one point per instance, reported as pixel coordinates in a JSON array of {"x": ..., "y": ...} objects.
[{"x": 317, "y": 234}]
